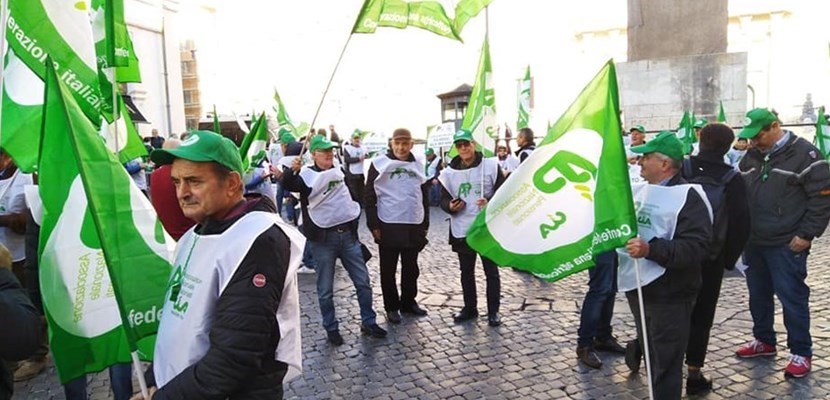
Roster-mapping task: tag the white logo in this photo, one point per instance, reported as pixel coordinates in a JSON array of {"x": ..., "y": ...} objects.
[
  {"x": 747, "y": 121},
  {"x": 190, "y": 140}
]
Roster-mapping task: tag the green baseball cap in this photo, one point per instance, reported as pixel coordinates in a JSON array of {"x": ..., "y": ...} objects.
[
  {"x": 666, "y": 143},
  {"x": 356, "y": 134},
  {"x": 701, "y": 123},
  {"x": 287, "y": 138},
  {"x": 202, "y": 146},
  {"x": 462, "y": 134},
  {"x": 320, "y": 142},
  {"x": 640, "y": 128},
  {"x": 756, "y": 120},
  {"x": 429, "y": 152}
]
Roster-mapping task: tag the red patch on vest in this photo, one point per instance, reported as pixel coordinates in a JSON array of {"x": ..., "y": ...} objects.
[{"x": 259, "y": 280}]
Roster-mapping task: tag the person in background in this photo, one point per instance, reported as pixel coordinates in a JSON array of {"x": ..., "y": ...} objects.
[
  {"x": 433, "y": 169},
  {"x": 507, "y": 161},
  {"x": 526, "y": 144},
  {"x": 156, "y": 141},
  {"x": 353, "y": 156},
  {"x": 737, "y": 152},
  {"x": 135, "y": 168},
  {"x": 163, "y": 197}
]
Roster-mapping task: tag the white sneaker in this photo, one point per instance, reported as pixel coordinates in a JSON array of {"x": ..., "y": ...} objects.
[{"x": 305, "y": 270}]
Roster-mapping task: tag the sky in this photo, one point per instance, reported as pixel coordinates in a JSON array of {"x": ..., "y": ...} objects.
[{"x": 388, "y": 79}]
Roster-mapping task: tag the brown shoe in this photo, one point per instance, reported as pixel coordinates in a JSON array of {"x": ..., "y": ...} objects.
[
  {"x": 29, "y": 369},
  {"x": 589, "y": 357}
]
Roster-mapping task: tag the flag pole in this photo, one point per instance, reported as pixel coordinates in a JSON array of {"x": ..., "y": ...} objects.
[
  {"x": 644, "y": 329},
  {"x": 141, "y": 382},
  {"x": 4, "y": 8},
  {"x": 114, "y": 109},
  {"x": 486, "y": 39},
  {"x": 325, "y": 92}
]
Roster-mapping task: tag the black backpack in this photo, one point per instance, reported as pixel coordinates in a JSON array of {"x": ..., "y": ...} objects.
[{"x": 716, "y": 193}]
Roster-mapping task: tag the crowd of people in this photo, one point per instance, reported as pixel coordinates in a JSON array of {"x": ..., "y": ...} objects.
[{"x": 235, "y": 331}]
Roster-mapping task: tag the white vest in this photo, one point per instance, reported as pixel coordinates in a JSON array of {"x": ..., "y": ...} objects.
[
  {"x": 432, "y": 167},
  {"x": 398, "y": 187},
  {"x": 466, "y": 185},
  {"x": 329, "y": 203},
  {"x": 657, "y": 210},
  {"x": 13, "y": 201},
  {"x": 185, "y": 323},
  {"x": 356, "y": 168}
]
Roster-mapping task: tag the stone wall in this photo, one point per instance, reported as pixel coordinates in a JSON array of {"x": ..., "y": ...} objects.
[{"x": 673, "y": 28}]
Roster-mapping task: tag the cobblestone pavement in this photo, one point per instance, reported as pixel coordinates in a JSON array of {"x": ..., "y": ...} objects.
[{"x": 531, "y": 356}]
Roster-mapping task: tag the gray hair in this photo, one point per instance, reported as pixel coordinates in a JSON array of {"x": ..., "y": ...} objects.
[{"x": 675, "y": 164}]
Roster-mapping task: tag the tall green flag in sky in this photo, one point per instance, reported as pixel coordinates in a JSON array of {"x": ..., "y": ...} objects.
[
  {"x": 217, "y": 126},
  {"x": 524, "y": 100},
  {"x": 823, "y": 134},
  {"x": 572, "y": 197},
  {"x": 429, "y": 15},
  {"x": 254, "y": 141},
  {"x": 104, "y": 263},
  {"x": 480, "y": 116},
  {"x": 284, "y": 121},
  {"x": 721, "y": 114},
  {"x": 466, "y": 10}
]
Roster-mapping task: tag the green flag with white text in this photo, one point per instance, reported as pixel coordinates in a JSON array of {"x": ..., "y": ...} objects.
[
  {"x": 480, "y": 116},
  {"x": 466, "y": 10},
  {"x": 429, "y": 15},
  {"x": 254, "y": 141},
  {"x": 823, "y": 134},
  {"x": 571, "y": 199},
  {"x": 104, "y": 256},
  {"x": 524, "y": 100}
]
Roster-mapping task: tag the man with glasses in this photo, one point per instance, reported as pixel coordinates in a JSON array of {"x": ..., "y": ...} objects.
[{"x": 789, "y": 204}]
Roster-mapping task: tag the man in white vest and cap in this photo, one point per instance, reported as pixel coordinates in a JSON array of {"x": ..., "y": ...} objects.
[
  {"x": 674, "y": 230},
  {"x": 230, "y": 325},
  {"x": 468, "y": 183},
  {"x": 330, "y": 218},
  {"x": 353, "y": 156},
  {"x": 397, "y": 214}
]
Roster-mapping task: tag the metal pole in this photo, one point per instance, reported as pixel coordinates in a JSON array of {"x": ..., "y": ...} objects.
[
  {"x": 4, "y": 10},
  {"x": 166, "y": 75}
]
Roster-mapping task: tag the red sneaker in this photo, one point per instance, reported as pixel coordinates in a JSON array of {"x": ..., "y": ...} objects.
[
  {"x": 798, "y": 367},
  {"x": 756, "y": 348}
]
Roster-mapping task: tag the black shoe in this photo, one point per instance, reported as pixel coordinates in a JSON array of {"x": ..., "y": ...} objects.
[
  {"x": 393, "y": 317},
  {"x": 698, "y": 385},
  {"x": 373, "y": 330},
  {"x": 494, "y": 319},
  {"x": 633, "y": 355},
  {"x": 414, "y": 309},
  {"x": 588, "y": 356},
  {"x": 465, "y": 315},
  {"x": 334, "y": 338},
  {"x": 610, "y": 345}
]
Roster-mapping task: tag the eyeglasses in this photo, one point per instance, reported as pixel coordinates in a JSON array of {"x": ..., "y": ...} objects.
[{"x": 462, "y": 143}]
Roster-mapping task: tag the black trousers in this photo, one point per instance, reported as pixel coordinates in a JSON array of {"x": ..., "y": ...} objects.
[
  {"x": 467, "y": 262},
  {"x": 667, "y": 325},
  {"x": 703, "y": 313},
  {"x": 409, "y": 277},
  {"x": 356, "y": 184}
]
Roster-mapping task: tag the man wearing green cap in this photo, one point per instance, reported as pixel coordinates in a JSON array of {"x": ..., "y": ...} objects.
[
  {"x": 699, "y": 124},
  {"x": 638, "y": 137},
  {"x": 674, "y": 229},
  {"x": 468, "y": 183},
  {"x": 330, "y": 218},
  {"x": 258, "y": 177},
  {"x": 230, "y": 324},
  {"x": 789, "y": 201},
  {"x": 353, "y": 156}
]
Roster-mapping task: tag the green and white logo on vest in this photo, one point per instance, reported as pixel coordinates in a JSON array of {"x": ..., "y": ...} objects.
[
  {"x": 402, "y": 173},
  {"x": 331, "y": 186}
]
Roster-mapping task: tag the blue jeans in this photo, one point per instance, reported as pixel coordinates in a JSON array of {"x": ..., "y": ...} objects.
[
  {"x": 343, "y": 245},
  {"x": 434, "y": 195},
  {"x": 121, "y": 382},
  {"x": 598, "y": 306},
  {"x": 308, "y": 258},
  {"x": 777, "y": 270}
]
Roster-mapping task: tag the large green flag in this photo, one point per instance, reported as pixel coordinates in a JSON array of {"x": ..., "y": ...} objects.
[
  {"x": 480, "y": 116},
  {"x": 572, "y": 197},
  {"x": 466, "y": 10},
  {"x": 823, "y": 134},
  {"x": 524, "y": 100},
  {"x": 104, "y": 263},
  {"x": 254, "y": 141},
  {"x": 22, "y": 112},
  {"x": 721, "y": 114},
  {"x": 429, "y": 15}
]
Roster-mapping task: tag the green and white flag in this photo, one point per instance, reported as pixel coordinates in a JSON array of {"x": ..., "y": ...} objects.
[
  {"x": 284, "y": 121},
  {"x": 22, "y": 113},
  {"x": 254, "y": 141},
  {"x": 104, "y": 263},
  {"x": 128, "y": 145},
  {"x": 823, "y": 134},
  {"x": 686, "y": 132},
  {"x": 429, "y": 15},
  {"x": 571, "y": 199},
  {"x": 480, "y": 116},
  {"x": 524, "y": 100},
  {"x": 721, "y": 114},
  {"x": 466, "y": 10}
]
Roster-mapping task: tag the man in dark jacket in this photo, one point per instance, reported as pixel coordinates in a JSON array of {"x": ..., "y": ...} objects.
[
  {"x": 669, "y": 261},
  {"x": 230, "y": 323},
  {"x": 715, "y": 140},
  {"x": 21, "y": 335},
  {"x": 789, "y": 201},
  {"x": 330, "y": 218},
  {"x": 468, "y": 184},
  {"x": 526, "y": 144},
  {"x": 397, "y": 214}
]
